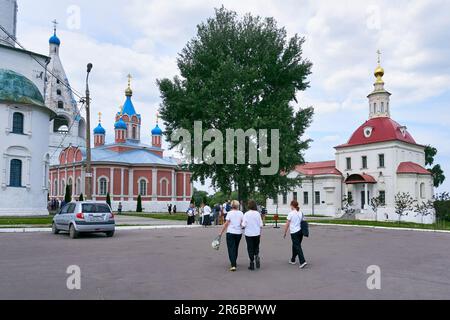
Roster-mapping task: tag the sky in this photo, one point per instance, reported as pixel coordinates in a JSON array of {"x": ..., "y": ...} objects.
[{"x": 143, "y": 38}]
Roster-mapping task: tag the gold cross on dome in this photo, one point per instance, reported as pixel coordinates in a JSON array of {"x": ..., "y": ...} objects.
[
  {"x": 157, "y": 118},
  {"x": 379, "y": 56},
  {"x": 129, "y": 80},
  {"x": 99, "y": 117}
]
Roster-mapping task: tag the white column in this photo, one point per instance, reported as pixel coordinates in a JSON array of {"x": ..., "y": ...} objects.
[
  {"x": 366, "y": 191},
  {"x": 130, "y": 184},
  {"x": 111, "y": 179},
  {"x": 184, "y": 186},
  {"x": 122, "y": 170},
  {"x": 94, "y": 184},
  {"x": 83, "y": 181},
  {"x": 154, "y": 184},
  {"x": 74, "y": 181},
  {"x": 174, "y": 189}
]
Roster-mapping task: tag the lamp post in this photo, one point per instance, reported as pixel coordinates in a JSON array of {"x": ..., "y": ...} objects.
[{"x": 88, "y": 137}]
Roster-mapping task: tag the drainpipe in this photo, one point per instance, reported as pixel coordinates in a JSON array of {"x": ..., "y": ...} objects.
[{"x": 313, "y": 196}]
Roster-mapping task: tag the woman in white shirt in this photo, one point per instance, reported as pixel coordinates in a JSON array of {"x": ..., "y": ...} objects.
[
  {"x": 206, "y": 214},
  {"x": 234, "y": 232},
  {"x": 294, "y": 225},
  {"x": 253, "y": 224}
]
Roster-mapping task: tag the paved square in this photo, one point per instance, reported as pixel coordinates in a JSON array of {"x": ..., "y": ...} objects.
[{"x": 180, "y": 264}]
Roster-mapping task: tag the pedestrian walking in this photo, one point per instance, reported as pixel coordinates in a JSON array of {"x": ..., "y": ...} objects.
[
  {"x": 233, "y": 227},
  {"x": 253, "y": 224},
  {"x": 169, "y": 208},
  {"x": 263, "y": 215},
  {"x": 206, "y": 214},
  {"x": 191, "y": 214},
  {"x": 174, "y": 209},
  {"x": 293, "y": 224}
]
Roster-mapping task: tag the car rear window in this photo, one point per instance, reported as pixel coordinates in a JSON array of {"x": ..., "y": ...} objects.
[{"x": 97, "y": 208}]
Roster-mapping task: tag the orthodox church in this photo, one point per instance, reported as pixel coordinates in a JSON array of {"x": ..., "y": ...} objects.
[
  {"x": 24, "y": 136},
  {"x": 381, "y": 159},
  {"x": 125, "y": 168}
]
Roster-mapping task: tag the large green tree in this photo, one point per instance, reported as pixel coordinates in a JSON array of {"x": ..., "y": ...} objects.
[
  {"x": 436, "y": 170},
  {"x": 241, "y": 73}
]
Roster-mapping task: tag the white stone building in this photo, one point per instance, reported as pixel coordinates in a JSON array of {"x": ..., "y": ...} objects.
[
  {"x": 24, "y": 136},
  {"x": 69, "y": 127},
  {"x": 381, "y": 159}
]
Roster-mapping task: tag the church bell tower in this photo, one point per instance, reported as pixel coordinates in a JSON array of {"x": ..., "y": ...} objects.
[
  {"x": 8, "y": 21},
  {"x": 379, "y": 98}
]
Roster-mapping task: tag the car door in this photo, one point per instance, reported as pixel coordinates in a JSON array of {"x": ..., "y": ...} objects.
[{"x": 63, "y": 218}]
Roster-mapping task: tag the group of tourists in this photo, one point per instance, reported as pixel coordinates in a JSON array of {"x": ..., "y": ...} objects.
[
  {"x": 250, "y": 224},
  {"x": 172, "y": 208}
]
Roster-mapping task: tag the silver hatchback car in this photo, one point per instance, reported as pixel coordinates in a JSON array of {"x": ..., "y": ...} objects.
[{"x": 84, "y": 217}]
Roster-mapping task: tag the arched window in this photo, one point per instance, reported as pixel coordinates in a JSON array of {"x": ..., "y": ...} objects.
[
  {"x": 164, "y": 187},
  {"x": 103, "y": 186},
  {"x": 70, "y": 185},
  {"x": 134, "y": 133},
  {"x": 60, "y": 124},
  {"x": 15, "y": 173},
  {"x": 78, "y": 186},
  {"x": 143, "y": 187},
  {"x": 63, "y": 188},
  {"x": 60, "y": 105},
  {"x": 17, "y": 123},
  {"x": 422, "y": 190},
  {"x": 58, "y": 92},
  {"x": 55, "y": 188},
  {"x": 382, "y": 107}
]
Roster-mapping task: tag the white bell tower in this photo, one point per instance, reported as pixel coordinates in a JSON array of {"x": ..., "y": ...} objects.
[
  {"x": 379, "y": 99},
  {"x": 8, "y": 21}
]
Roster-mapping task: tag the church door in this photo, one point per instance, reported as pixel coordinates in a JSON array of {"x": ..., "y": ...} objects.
[{"x": 363, "y": 198}]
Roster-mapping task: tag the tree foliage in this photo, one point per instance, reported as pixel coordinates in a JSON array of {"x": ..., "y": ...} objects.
[
  {"x": 404, "y": 203},
  {"x": 68, "y": 194},
  {"x": 108, "y": 199},
  {"x": 81, "y": 197},
  {"x": 375, "y": 203},
  {"x": 436, "y": 170},
  {"x": 241, "y": 73}
]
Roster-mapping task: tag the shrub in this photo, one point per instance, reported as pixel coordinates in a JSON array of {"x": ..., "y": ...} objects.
[{"x": 139, "y": 204}]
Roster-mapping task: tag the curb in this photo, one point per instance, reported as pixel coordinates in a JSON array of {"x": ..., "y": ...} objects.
[
  {"x": 121, "y": 228},
  {"x": 377, "y": 227}
]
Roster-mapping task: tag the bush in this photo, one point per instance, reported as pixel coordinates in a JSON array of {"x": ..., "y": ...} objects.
[
  {"x": 108, "y": 199},
  {"x": 139, "y": 204},
  {"x": 68, "y": 194},
  {"x": 442, "y": 206},
  {"x": 81, "y": 198}
]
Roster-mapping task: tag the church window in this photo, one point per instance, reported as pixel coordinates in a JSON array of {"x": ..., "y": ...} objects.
[
  {"x": 284, "y": 198},
  {"x": 381, "y": 160},
  {"x": 364, "y": 162},
  {"x": 58, "y": 92},
  {"x": 15, "y": 173},
  {"x": 349, "y": 163},
  {"x": 382, "y": 107},
  {"x": 305, "y": 198},
  {"x": 17, "y": 123},
  {"x": 55, "y": 188},
  {"x": 103, "y": 186},
  {"x": 164, "y": 186},
  {"x": 143, "y": 187},
  {"x": 134, "y": 133},
  {"x": 60, "y": 105},
  {"x": 294, "y": 196},
  {"x": 317, "y": 197},
  {"x": 375, "y": 107},
  {"x": 422, "y": 190},
  {"x": 382, "y": 197}
]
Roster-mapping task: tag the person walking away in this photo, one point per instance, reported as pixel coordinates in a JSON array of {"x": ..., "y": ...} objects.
[
  {"x": 217, "y": 214},
  {"x": 293, "y": 224},
  {"x": 233, "y": 227},
  {"x": 263, "y": 215},
  {"x": 191, "y": 214},
  {"x": 119, "y": 208},
  {"x": 174, "y": 209},
  {"x": 253, "y": 224},
  {"x": 169, "y": 208},
  {"x": 206, "y": 214}
]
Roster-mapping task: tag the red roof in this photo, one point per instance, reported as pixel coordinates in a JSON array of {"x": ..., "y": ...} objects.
[
  {"x": 360, "y": 178},
  {"x": 383, "y": 129},
  {"x": 411, "y": 167},
  {"x": 318, "y": 168}
]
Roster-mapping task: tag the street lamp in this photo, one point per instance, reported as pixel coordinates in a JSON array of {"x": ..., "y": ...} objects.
[{"x": 88, "y": 137}]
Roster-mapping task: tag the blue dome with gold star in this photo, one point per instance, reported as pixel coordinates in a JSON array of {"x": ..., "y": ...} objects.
[
  {"x": 120, "y": 124},
  {"x": 54, "y": 40},
  {"x": 99, "y": 129},
  {"x": 157, "y": 131}
]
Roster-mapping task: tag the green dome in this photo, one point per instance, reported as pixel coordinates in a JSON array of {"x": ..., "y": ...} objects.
[{"x": 16, "y": 88}]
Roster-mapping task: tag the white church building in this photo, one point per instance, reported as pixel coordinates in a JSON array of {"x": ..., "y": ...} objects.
[
  {"x": 24, "y": 135},
  {"x": 381, "y": 159}
]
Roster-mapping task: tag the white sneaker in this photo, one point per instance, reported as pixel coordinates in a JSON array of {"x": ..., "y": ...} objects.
[
  {"x": 290, "y": 262},
  {"x": 302, "y": 266}
]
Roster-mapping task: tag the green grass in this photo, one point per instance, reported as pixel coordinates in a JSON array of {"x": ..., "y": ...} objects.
[
  {"x": 445, "y": 225},
  {"x": 17, "y": 221},
  {"x": 160, "y": 216}
]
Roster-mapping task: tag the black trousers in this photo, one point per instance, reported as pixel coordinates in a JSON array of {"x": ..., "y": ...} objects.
[
  {"x": 233, "y": 241},
  {"x": 253, "y": 246},
  {"x": 190, "y": 220},
  {"x": 297, "y": 239}
]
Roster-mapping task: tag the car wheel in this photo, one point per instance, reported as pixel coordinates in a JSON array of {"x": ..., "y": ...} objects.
[
  {"x": 72, "y": 232},
  {"x": 109, "y": 234},
  {"x": 54, "y": 229}
]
